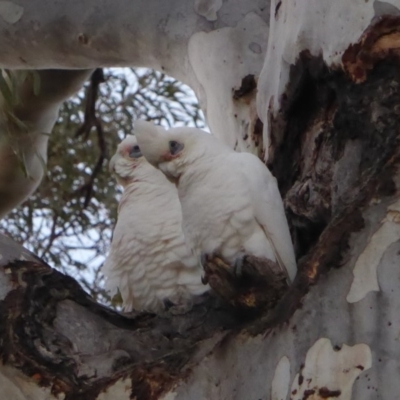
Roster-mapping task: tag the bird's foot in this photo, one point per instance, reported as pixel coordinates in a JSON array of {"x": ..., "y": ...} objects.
[
  {"x": 203, "y": 259},
  {"x": 203, "y": 264}
]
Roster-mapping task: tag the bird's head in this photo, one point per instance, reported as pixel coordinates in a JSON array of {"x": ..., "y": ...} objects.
[
  {"x": 128, "y": 162},
  {"x": 173, "y": 150}
]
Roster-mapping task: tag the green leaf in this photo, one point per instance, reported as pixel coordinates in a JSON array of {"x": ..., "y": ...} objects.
[{"x": 117, "y": 299}]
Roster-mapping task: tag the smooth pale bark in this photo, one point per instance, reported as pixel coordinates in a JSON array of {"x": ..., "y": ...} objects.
[
  {"x": 209, "y": 44},
  {"x": 25, "y": 127}
]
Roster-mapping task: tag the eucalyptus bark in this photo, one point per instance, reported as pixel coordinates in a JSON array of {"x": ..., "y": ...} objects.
[
  {"x": 27, "y": 118},
  {"x": 196, "y": 42},
  {"x": 329, "y": 103}
]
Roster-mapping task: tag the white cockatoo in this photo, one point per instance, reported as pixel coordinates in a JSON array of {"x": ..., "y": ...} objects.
[
  {"x": 149, "y": 261},
  {"x": 230, "y": 201}
]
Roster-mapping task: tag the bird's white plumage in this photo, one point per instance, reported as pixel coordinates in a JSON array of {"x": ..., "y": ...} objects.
[
  {"x": 149, "y": 261},
  {"x": 230, "y": 201}
]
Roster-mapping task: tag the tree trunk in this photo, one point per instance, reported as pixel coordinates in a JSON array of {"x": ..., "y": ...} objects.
[{"x": 328, "y": 95}]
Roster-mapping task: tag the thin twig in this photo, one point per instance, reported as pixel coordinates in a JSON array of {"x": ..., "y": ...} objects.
[{"x": 92, "y": 121}]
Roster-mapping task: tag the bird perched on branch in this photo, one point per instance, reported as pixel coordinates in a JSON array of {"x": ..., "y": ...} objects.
[
  {"x": 230, "y": 201},
  {"x": 149, "y": 262}
]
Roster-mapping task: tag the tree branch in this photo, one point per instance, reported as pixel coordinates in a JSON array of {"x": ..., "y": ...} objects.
[
  {"x": 68, "y": 341},
  {"x": 170, "y": 37},
  {"x": 91, "y": 120},
  {"x": 23, "y": 144}
]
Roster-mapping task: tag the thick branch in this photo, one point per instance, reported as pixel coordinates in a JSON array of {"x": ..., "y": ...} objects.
[
  {"x": 53, "y": 331},
  {"x": 25, "y": 126},
  {"x": 108, "y": 33},
  {"x": 171, "y": 36}
]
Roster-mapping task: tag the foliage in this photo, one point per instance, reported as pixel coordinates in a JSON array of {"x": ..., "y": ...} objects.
[{"x": 54, "y": 223}]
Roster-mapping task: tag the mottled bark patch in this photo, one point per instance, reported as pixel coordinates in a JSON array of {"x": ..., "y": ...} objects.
[
  {"x": 57, "y": 334},
  {"x": 337, "y": 136}
]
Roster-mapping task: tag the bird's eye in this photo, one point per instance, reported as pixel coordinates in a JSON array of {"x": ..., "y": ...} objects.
[
  {"x": 135, "y": 152},
  {"x": 175, "y": 147}
]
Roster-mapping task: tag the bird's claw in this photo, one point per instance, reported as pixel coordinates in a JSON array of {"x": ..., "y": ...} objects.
[
  {"x": 203, "y": 259},
  {"x": 238, "y": 265},
  {"x": 203, "y": 263}
]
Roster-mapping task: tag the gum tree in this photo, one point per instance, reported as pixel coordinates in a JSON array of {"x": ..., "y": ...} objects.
[{"x": 313, "y": 88}]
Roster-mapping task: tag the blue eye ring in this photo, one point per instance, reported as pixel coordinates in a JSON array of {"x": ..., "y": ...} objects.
[
  {"x": 175, "y": 147},
  {"x": 135, "y": 152}
]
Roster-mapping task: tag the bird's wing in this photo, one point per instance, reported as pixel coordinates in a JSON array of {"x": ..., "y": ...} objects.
[{"x": 269, "y": 210}]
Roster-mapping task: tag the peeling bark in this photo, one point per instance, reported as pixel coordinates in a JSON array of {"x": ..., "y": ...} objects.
[
  {"x": 54, "y": 333},
  {"x": 346, "y": 35}
]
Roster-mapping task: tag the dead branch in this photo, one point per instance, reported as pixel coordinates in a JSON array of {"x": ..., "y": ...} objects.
[{"x": 91, "y": 120}]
